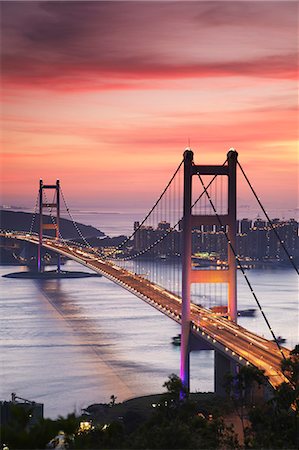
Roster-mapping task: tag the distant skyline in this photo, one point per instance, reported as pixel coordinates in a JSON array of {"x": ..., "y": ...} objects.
[{"x": 106, "y": 95}]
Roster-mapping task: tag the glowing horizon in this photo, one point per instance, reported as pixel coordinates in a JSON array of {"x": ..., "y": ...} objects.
[{"x": 105, "y": 95}]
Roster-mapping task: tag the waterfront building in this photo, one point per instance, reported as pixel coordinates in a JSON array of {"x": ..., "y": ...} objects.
[
  {"x": 245, "y": 226},
  {"x": 256, "y": 240}
]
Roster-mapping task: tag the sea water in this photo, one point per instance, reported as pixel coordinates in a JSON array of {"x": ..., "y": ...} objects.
[{"x": 70, "y": 343}]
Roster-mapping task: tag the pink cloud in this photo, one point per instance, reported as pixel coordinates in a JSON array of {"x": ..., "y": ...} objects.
[
  {"x": 87, "y": 83},
  {"x": 77, "y": 46},
  {"x": 29, "y": 73}
]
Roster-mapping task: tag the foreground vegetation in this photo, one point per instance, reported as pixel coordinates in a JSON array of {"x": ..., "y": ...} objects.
[{"x": 167, "y": 422}]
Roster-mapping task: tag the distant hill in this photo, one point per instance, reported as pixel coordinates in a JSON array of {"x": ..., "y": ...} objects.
[{"x": 21, "y": 221}]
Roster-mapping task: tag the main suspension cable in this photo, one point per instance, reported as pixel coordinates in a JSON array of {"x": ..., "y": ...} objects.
[
  {"x": 152, "y": 245},
  {"x": 66, "y": 242},
  {"x": 170, "y": 230},
  {"x": 75, "y": 223},
  {"x": 269, "y": 220},
  {"x": 135, "y": 231},
  {"x": 148, "y": 214},
  {"x": 241, "y": 267},
  {"x": 34, "y": 214}
]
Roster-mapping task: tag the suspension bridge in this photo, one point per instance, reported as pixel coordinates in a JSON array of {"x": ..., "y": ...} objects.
[{"x": 169, "y": 230}]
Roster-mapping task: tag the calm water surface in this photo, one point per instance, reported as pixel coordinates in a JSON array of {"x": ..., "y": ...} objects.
[{"x": 71, "y": 343}]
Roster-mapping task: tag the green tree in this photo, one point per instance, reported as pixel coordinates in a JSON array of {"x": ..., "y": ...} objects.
[
  {"x": 17, "y": 434},
  {"x": 275, "y": 424},
  {"x": 176, "y": 424},
  {"x": 108, "y": 436},
  {"x": 241, "y": 389},
  {"x": 47, "y": 429},
  {"x": 174, "y": 386}
]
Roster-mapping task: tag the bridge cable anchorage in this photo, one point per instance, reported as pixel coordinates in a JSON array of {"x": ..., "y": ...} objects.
[
  {"x": 242, "y": 269},
  {"x": 171, "y": 229},
  {"x": 34, "y": 214},
  {"x": 269, "y": 220},
  {"x": 148, "y": 214}
]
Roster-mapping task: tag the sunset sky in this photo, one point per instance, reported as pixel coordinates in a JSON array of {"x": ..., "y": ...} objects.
[{"x": 105, "y": 95}]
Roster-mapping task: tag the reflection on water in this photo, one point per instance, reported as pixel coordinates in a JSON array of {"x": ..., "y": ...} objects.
[{"x": 73, "y": 342}]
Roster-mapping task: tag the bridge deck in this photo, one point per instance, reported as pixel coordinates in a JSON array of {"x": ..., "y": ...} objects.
[{"x": 234, "y": 341}]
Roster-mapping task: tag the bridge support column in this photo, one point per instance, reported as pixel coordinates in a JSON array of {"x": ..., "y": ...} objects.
[
  {"x": 57, "y": 222},
  {"x": 49, "y": 226},
  {"x": 222, "y": 367},
  {"x": 186, "y": 271},
  {"x": 194, "y": 221},
  {"x": 40, "y": 234},
  {"x": 232, "y": 233}
]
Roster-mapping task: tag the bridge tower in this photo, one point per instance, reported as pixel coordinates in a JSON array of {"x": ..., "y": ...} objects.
[
  {"x": 55, "y": 219},
  {"x": 189, "y": 276}
]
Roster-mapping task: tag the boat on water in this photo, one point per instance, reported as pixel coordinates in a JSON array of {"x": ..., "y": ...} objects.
[
  {"x": 176, "y": 340},
  {"x": 280, "y": 340},
  {"x": 221, "y": 310},
  {"x": 247, "y": 312}
]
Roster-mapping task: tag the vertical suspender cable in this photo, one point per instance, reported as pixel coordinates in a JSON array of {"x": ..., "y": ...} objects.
[
  {"x": 242, "y": 270},
  {"x": 34, "y": 214},
  {"x": 269, "y": 220}
]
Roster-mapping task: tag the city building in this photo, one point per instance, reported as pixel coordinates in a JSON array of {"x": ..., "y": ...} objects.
[{"x": 256, "y": 240}]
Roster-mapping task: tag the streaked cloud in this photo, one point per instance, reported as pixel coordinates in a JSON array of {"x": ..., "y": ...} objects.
[
  {"x": 114, "y": 45},
  {"x": 86, "y": 83}
]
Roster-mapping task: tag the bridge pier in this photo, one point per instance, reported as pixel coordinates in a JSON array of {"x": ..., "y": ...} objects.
[
  {"x": 48, "y": 226},
  {"x": 186, "y": 271},
  {"x": 222, "y": 367}
]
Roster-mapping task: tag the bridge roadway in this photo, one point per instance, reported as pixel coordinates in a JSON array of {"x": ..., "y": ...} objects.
[{"x": 218, "y": 333}]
